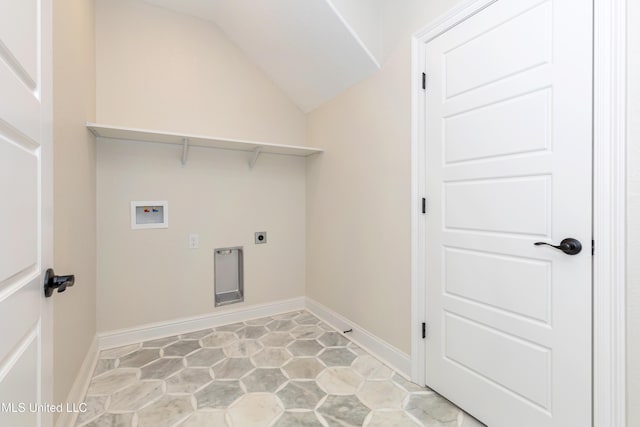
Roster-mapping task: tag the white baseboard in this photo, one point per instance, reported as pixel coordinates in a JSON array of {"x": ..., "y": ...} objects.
[
  {"x": 80, "y": 385},
  {"x": 390, "y": 355},
  {"x": 152, "y": 331}
]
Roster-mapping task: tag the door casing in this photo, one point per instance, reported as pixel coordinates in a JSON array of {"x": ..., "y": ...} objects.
[{"x": 609, "y": 209}]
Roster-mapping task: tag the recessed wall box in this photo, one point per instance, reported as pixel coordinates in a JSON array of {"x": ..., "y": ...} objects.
[
  {"x": 149, "y": 214},
  {"x": 228, "y": 285}
]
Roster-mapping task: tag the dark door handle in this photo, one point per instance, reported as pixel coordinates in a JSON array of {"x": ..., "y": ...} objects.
[
  {"x": 569, "y": 246},
  {"x": 51, "y": 282}
]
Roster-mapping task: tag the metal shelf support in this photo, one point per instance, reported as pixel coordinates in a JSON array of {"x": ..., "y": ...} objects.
[
  {"x": 185, "y": 150},
  {"x": 254, "y": 158}
]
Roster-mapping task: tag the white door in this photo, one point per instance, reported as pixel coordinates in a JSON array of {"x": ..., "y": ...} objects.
[
  {"x": 508, "y": 164},
  {"x": 25, "y": 211}
]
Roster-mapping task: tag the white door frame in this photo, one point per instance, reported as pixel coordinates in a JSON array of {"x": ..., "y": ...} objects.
[{"x": 609, "y": 209}]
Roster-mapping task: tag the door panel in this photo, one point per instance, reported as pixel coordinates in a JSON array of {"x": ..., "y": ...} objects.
[
  {"x": 19, "y": 38},
  {"x": 514, "y": 284},
  {"x": 531, "y": 383},
  {"x": 508, "y": 161},
  {"x": 524, "y": 39},
  {"x": 20, "y": 385},
  {"x": 525, "y": 128},
  {"x": 18, "y": 307},
  {"x": 19, "y": 218},
  {"x": 491, "y": 202}
]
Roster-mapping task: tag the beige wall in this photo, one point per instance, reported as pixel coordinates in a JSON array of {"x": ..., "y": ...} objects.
[
  {"x": 162, "y": 70},
  {"x": 359, "y": 191},
  {"x": 74, "y": 187},
  {"x": 147, "y": 276},
  {"x": 633, "y": 278}
]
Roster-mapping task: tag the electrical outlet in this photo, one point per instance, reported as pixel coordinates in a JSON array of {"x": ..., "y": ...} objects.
[
  {"x": 194, "y": 241},
  {"x": 261, "y": 237}
]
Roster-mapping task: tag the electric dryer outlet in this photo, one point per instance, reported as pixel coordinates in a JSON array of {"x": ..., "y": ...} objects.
[{"x": 261, "y": 237}]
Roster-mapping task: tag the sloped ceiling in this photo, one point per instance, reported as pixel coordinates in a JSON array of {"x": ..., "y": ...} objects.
[{"x": 312, "y": 49}]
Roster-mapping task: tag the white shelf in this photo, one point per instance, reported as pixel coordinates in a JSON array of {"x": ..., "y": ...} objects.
[{"x": 187, "y": 140}]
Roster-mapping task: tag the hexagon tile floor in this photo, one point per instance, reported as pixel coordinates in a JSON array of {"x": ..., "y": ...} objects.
[{"x": 290, "y": 370}]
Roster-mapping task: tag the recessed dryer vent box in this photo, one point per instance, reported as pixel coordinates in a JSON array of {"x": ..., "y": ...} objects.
[
  {"x": 228, "y": 268},
  {"x": 148, "y": 214}
]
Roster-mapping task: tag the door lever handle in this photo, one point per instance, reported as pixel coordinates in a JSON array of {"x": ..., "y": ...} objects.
[
  {"x": 569, "y": 246},
  {"x": 51, "y": 282}
]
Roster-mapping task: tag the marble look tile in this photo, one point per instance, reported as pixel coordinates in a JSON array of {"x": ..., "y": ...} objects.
[
  {"x": 466, "y": 420},
  {"x": 381, "y": 394},
  {"x": 281, "y": 325},
  {"x": 371, "y": 368},
  {"x": 298, "y": 419},
  {"x": 285, "y": 316},
  {"x": 339, "y": 380},
  {"x": 196, "y": 335},
  {"x": 255, "y": 410},
  {"x": 219, "y": 339},
  {"x": 139, "y": 358},
  {"x": 301, "y": 395},
  {"x": 251, "y": 332},
  {"x": 333, "y": 339},
  {"x": 160, "y": 342},
  {"x": 356, "y": 348},
  {"x": 343, "y": 411},
  {"x": 304, "y": 348},
  {"x": 181, "y": 348},
  {"x": 392, "y": 419},
  {"x": 326, "y": 327},
  {"x": 303, "y": 368},
  {"x": 264, "y": 380},
  {"x": 115, "y": 353},
  {"x": 135, "y": 396},
  {"x": 271, "y": 357},
  {"x": 306, "y": 332},
  {"x": 188, "y": 380},
  {"x": 218, "y": 394},
  {"x": 206, "y": 419},
  {"x": 276, "y": 339},
  {"x": 162, "y": 368},
  {"x": 306, "y": 318},
  {"x": 230, "y": 328},
  {"x": 112, "y": 381},
  {"x": 233, "y": 368},
  {"x": 291, "y": 372},
  {"x": 112, "y": 420},
  {"x": 409, "y": 386},
  {"x": 104, "y": 365},
  {"x": 337, "y": 357},
  {"x": 432, "y": 410},
  {"x": 243, "y": 348},
  {"x": 165, "y": 412},
  {"x": 205, "y": 357},
  {"x": 95, "y": 407},
  {"x": 259, "y": 322}
]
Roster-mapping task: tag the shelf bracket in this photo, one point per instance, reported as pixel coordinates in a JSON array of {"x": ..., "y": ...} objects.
[
  {"x": 254, "y": 159},
  {"x": 185, "y": 150}
]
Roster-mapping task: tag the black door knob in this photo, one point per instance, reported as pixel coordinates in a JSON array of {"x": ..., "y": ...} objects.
[
  {"x": 569, "y": 246},
  {"x": 51, "y": 282}
]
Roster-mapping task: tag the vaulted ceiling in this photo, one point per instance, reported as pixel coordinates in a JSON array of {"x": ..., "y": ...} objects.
[{"x": 312, "y": 49}]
